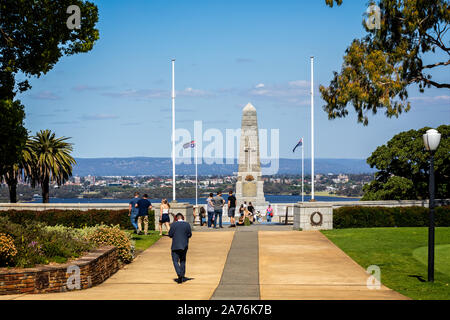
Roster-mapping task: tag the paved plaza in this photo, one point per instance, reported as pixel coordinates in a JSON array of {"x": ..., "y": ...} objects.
[{"x": 247, "y": 263}]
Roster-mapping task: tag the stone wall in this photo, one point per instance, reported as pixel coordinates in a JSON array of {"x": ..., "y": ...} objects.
[
  {"x": 319, "y": 215},
  {"x": 94, "y": 268}
]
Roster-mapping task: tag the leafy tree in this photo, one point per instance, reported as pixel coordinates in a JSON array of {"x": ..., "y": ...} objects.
[
  {"x": 23, "y": 168},
  {"x": 53, "y": 161},
  {"x": 403, "y": 166},
  {"x": 33, "y": 36},
  {"x": 378, "y": 69},
  {"x": 13, "y": 134}
]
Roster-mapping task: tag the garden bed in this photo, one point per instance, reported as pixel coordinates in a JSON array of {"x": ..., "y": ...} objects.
[{"x": 91, "y": 269}]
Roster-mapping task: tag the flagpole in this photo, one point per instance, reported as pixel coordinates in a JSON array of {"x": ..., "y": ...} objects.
[
  {"x": 303, "y": 156},
  {"x": 173, "y": 132},
  {"x": 196, "y": 176},
  {"x": 312, "y": 128}
]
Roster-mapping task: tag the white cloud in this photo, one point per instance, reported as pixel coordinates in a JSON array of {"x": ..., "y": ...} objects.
[
  {"x": 433, "y": 100},
  {"x": 99, "y": 116},
  {"x": 294, "y": 92},
  {"x": 157, "y": 93},
  {"x": 190, "y": 92},
  {"x": 45, "y": 95}
]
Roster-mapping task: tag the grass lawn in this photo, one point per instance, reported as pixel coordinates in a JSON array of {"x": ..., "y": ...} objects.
[
  {"x": 401, "y": 253},
  {"x": 144, "y": 242}
]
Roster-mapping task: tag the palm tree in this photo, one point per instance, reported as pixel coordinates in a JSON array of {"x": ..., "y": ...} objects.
[
  {"x": 23, "y": 168},
  {"x": 53, "y": 161}
]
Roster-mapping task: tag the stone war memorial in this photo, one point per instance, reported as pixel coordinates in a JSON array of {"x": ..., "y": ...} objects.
[
  {"x": 239, "y": 181},
  {"x": 249, "y": 185}
]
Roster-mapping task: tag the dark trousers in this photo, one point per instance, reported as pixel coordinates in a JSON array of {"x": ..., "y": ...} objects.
[
  {"x": 218, "y": 215},
  {"x": 210, "y": 219},
  {"x": 179, "y": 261}
]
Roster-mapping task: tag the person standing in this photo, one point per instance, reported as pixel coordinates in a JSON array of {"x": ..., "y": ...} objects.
[
  {"x": 231, "y": 208},
  {"x": 180, "y": 232},
  {"x": 164, "y": 218},
  {"x": 269, "y": 213},
  {"x": 143, "y": 205},
  {"x": 133, "y": 211},
  {"x": 210, "y": 209},
  {"x": 251, "y": 212},
  {"x": 218, "y": 209}
]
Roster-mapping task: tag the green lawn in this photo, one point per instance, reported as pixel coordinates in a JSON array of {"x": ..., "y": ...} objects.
[
  {"x": 144, "y": 242},
  {"x": 401, "y": 253}
]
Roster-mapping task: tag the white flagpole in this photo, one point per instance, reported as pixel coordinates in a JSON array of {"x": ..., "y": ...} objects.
[
  {"x": 303, "y": 177},
  {"x": 173, "y": 131},
  {"x": 196, "y": 176},
  {"x": 312, "y": 128}
]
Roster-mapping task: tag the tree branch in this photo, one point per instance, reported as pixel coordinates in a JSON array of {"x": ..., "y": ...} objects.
[
  {"x": 430, "y": 82},
  {"x": 429, "y": 66}
]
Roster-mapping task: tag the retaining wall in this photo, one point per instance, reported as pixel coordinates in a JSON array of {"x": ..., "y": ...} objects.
[{"x": 94, "y": 268}]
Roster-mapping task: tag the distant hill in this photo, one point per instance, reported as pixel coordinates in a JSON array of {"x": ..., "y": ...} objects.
[{"x": 163, "y": 167}]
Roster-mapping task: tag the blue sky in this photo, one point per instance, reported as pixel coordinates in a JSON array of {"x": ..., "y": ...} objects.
[{"x": 115, "y": 100}]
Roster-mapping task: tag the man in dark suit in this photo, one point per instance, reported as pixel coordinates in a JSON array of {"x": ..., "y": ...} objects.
[{"x": 180, "y": 232}]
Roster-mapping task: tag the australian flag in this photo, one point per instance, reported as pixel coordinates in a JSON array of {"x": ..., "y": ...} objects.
[
  {"x": 299, "y": 144},
  {"x": 189, "y": 145}
]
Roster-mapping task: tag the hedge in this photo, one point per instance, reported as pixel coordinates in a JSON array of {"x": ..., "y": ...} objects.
[
  {"x": 369, "y": 217},
  {"x": 76, "y": 218}
]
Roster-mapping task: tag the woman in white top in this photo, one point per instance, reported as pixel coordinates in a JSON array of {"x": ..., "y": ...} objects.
[
  {"x": 210, "y": 210},
  {"x": 164, "y": 216}
]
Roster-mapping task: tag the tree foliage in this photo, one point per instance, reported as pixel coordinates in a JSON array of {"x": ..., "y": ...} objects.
[
  {"x": 378, "y": 69},
  {"x": 403, "y": 167},
  {"x": 13, "y": 134},
  {"x": 33, "y": 37},
  {"x": 52, "y": 160}
]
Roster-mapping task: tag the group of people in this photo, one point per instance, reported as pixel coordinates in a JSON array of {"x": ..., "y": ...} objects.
[
  {"x": 212, "y": 216},
  {"x": 181, "y": 232},
  {"x": 138, "y": 213}
]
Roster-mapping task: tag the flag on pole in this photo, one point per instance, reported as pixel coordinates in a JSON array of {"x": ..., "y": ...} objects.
[
  {"x": 189, "y": 145},
  {"x": 299, "y": 144}
]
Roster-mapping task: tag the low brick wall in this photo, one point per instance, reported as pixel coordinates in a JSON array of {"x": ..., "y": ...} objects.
[{"x": 94, "y": 268}]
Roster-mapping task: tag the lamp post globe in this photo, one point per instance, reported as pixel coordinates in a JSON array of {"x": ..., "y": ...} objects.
[{"x": 431, "y": 141}]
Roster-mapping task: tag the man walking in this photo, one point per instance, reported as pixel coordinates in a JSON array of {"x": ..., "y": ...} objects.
[
  {"x": 231, "y": 208},
  {"x": 143, "y": 205},
  {"x": 218, "y": 209},
  {"x": 180, "y": 232},
  {"x": 133, "y": 211}
]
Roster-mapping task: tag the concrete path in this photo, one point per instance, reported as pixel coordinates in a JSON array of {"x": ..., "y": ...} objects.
[
  {"x": 306, "y": 265},
  {"x": 151, "y": 276},
  {"x": 249, "y": 263},
  {"x": 240, "y": 277}
]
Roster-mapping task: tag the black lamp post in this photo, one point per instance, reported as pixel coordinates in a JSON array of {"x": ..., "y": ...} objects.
[{"x": 431, "y": 140}]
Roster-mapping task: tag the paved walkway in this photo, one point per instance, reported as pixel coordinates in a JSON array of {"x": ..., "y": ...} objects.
[
  {"x": 249, "y": 263},
  {"x": 240, "y": 277}
]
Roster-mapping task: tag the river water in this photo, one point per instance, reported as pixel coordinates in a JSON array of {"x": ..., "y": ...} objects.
[{"x": 269, "y": 198}]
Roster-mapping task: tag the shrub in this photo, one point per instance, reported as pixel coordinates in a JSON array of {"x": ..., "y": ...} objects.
[
  {"x": 76, "y": 218},
  {"x": 37, "y": 243},
  {"x": 7, "y": 249},
  {"x": 105, "y": 235},
  {"x": 369, "y": 217}
]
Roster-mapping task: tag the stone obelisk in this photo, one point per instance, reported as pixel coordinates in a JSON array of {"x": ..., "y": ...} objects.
[{"x": 249, "y": 185}]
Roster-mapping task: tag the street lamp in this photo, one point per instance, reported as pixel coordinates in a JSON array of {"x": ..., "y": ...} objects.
[{"x": 431, "y": 140}]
